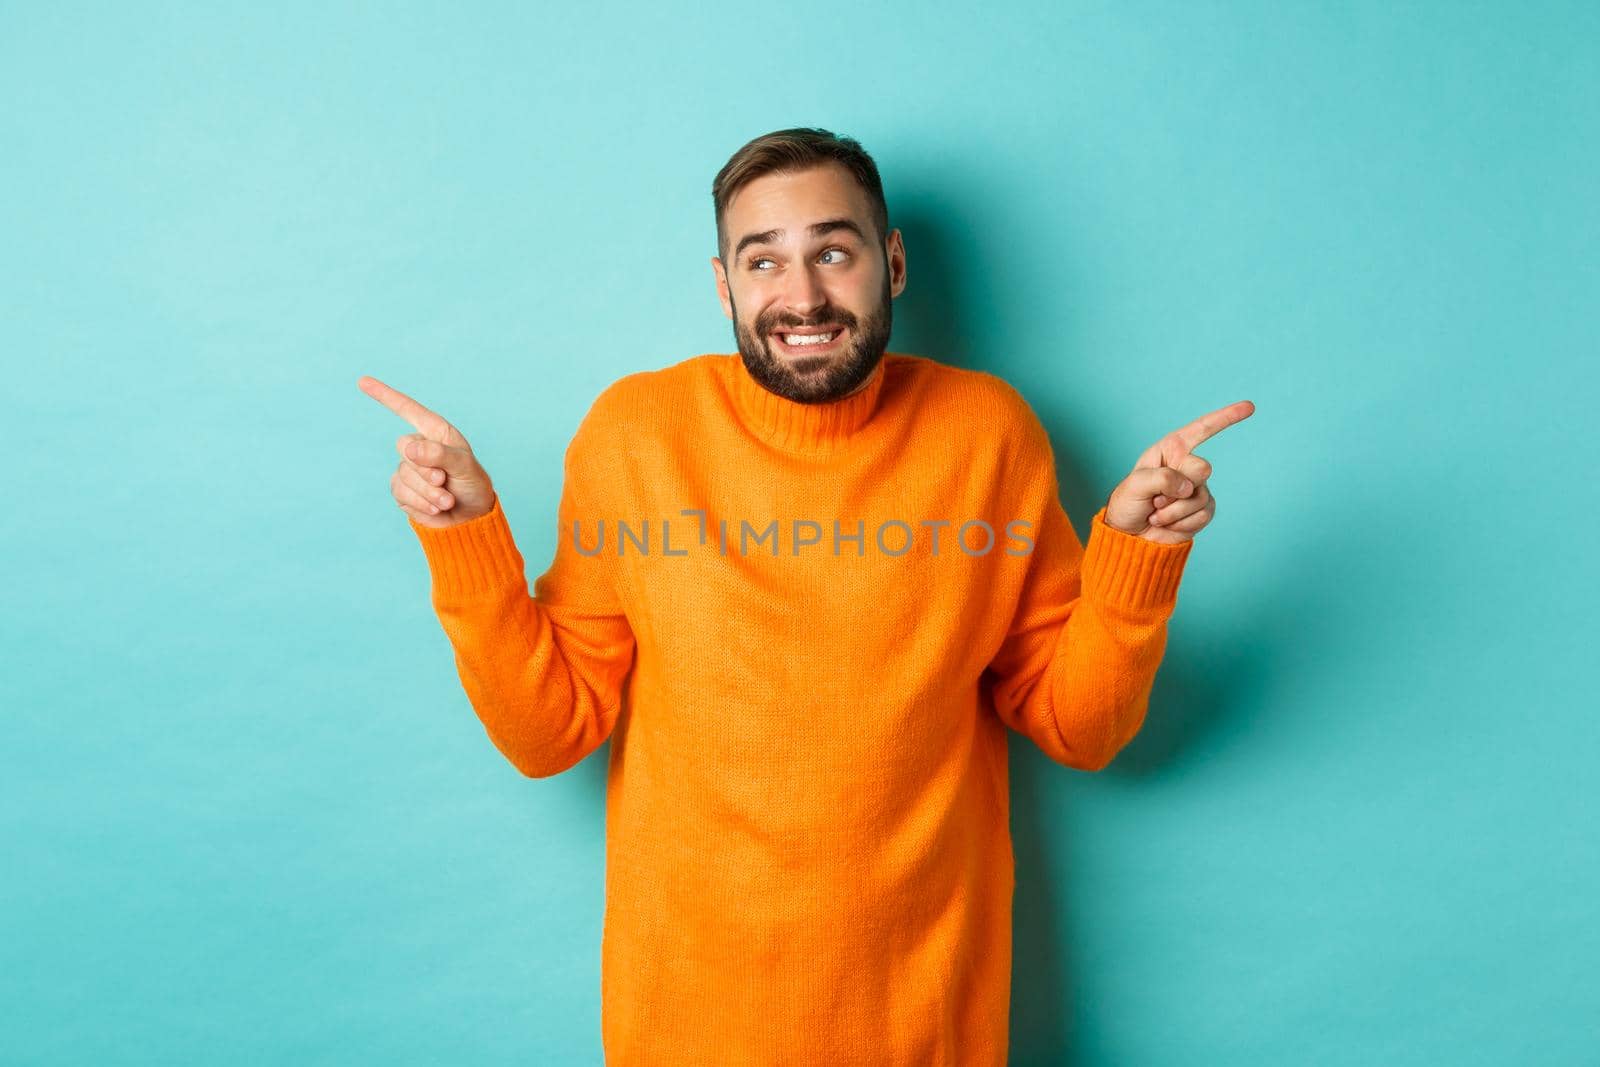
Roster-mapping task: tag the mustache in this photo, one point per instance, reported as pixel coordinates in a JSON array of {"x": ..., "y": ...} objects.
[{"x": 838, "y": 318}]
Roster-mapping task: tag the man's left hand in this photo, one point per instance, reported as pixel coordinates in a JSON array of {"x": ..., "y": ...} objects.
[{"x": 1165, "y": 499}]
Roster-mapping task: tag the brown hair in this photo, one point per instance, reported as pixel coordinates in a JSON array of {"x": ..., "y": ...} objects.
[{"x": 796, "y": 149}]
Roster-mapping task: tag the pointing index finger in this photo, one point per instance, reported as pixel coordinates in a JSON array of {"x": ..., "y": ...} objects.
[
  {"x": 429, "y": 423},
  {"x": 1190, "y": 436}
]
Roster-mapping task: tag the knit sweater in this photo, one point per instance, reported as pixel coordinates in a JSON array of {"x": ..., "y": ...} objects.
[{"x": 806, "y": 651}]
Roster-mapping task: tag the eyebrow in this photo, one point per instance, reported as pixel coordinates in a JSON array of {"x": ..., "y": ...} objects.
[{"x": 816, "y": 230}]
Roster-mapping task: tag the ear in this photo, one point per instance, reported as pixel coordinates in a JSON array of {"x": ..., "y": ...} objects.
[
  {"x": 721, "y": 276},
  {"x": 894, "y": 251}
]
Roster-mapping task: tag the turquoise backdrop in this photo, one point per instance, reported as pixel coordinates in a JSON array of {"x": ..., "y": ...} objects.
[{"x": 249, "y": 816}]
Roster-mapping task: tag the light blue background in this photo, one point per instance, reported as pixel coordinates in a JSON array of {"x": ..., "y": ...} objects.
[{"x": 249, "y": 816}]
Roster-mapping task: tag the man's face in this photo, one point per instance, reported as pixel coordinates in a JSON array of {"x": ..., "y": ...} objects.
[{"x": 804, "y": 259}]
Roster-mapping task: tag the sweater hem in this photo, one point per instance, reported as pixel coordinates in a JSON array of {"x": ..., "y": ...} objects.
[
  {"x": 1129, "y": 571},
  {"x": 473, "y": 557}
]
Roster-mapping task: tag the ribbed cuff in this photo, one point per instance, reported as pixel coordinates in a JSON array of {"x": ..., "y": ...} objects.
[
  {"x": 474, "y": 557},
  {"x": 1128, "y": 571}
]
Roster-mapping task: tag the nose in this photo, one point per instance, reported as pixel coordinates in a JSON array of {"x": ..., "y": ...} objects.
[{"x": 805, "y": 293}]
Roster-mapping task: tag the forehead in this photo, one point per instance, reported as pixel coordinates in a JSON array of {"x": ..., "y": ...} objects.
[{"x": 791, "y": 200}]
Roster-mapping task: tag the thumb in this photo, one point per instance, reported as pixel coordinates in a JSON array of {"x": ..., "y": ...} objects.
[
  {"x": 455, "y": 462},
  {"x": 1147, "y": 483},
  {"x": 1131, "y": 503}
]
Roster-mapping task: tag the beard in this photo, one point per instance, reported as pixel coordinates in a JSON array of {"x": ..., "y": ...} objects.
[{"x": 817, "y": 379}]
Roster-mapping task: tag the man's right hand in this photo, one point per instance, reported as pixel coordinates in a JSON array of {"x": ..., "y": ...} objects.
[{"x": 439, "y": 482}]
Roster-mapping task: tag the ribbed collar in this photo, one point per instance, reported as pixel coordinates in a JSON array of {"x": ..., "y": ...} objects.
[{"x": 796, "y": 427}]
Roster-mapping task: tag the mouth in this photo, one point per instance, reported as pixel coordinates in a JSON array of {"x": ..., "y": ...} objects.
[{"x": 812, "y": 340}]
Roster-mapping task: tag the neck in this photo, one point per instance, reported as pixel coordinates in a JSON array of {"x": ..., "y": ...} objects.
[{"x": 797, "y": 427}]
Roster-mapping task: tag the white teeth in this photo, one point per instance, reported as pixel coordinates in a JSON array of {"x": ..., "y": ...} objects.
[{"x": 811, "y": 339}]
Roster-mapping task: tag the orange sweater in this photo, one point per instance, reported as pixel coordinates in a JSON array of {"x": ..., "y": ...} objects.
[{"x": 808, "y": 856}]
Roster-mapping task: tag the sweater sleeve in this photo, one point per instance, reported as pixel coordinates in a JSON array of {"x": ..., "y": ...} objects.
[
  {"x": 1076, "y": 666},
  {"x": 544, "y": 673}
]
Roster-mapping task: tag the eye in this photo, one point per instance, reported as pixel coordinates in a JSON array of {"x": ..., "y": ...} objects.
[{"x": 755, "y": 264}]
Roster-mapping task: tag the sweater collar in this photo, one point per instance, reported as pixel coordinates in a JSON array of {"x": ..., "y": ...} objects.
[{"x": 796, "y": 427}]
